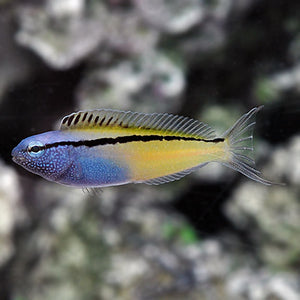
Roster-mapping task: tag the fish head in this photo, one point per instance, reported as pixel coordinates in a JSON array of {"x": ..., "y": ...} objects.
[{"x": 35, "y": 155}]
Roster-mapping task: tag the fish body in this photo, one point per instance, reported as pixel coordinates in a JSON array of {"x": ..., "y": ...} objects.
[{"x": 107, "y": 147}]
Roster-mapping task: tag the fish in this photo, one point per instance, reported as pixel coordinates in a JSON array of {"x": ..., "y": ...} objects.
[{"x": 106, "y": 147}]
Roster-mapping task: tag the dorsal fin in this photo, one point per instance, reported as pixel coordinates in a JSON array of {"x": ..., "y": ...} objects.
[{"x": 161, "y": 122}]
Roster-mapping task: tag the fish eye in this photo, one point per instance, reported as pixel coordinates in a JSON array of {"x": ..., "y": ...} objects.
[{"x": 35, "y": 149}]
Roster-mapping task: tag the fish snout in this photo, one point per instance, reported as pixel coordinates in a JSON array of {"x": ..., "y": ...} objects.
[
  {"x": 14, "y": 152},
  {"x": 17, "y": 155}
]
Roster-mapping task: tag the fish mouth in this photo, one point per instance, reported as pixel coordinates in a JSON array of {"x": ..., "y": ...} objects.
[{"x": 17, "y": 157}]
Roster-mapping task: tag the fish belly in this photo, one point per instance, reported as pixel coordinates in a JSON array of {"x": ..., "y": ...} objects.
[{"x": 95, "y": 168}]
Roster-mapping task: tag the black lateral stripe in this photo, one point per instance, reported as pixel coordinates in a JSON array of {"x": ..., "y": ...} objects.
[{"x": 129, "y": 139}]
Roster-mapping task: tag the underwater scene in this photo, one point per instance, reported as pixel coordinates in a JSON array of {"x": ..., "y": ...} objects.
[{"x": 149, "y": 150}]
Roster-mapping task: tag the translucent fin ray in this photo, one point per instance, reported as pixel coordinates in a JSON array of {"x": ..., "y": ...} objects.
[
  {"x": 162, "y": 122},
  {"x": 240, "y": 142},
  {"x": 171, "y": 177}
]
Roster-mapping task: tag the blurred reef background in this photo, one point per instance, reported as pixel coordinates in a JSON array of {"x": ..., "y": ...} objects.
[{"x": 212, "y": 235}]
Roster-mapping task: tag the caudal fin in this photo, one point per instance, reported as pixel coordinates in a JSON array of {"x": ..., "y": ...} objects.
[{"x": 240, "y": 146}]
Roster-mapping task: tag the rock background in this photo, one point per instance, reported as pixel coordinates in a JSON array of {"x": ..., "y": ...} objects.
[{"x": 212, "y": 235}]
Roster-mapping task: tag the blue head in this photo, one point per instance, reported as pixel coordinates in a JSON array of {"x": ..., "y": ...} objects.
[{"x": 35, "y": 155}]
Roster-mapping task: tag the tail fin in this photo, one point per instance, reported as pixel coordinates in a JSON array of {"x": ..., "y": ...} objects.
[{"x": 240, "y": 146}]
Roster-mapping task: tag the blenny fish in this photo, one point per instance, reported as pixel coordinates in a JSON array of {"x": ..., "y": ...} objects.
[{"x": 109, "y": 147}]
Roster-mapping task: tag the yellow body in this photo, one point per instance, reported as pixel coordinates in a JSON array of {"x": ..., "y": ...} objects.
[
  {"x": 159, "y": 158},
  {"x": 152, "y": 159}
]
